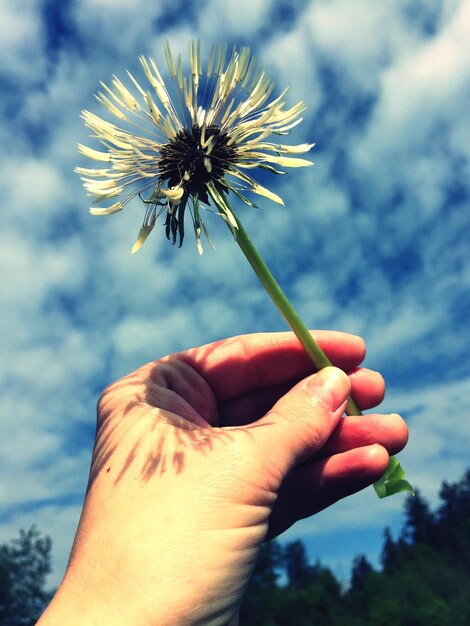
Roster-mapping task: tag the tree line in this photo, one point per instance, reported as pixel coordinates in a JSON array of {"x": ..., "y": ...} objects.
[{"x": 424, "y": 578}]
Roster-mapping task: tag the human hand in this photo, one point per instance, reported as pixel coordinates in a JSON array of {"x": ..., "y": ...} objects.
[{"x": 202, "y": 455}]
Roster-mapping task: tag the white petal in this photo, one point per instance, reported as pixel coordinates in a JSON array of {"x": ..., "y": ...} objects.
[
  {"x": 262, "y": 191},
  {"x": 302, "y": 147},
  {"x": 231, "y": 218},
  {"x": 114, "y": 208},
  {"x": 139, "y": 88},
  {"x": 93, "y": 154},
  {"x": 288, "y": 161},
  {"x": 144, "y": 232},
  {"x": 169, "y": 59},
  {"x": 153, "y": 109},
  {"x": 224, "y": 208},
  {"x": 125, "y": 94},
  {"x": 105, "y": 101},
  {"x": 174, "y": 194}
]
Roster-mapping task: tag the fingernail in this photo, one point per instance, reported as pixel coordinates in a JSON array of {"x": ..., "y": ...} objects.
[{"x": 331, "y": 385}]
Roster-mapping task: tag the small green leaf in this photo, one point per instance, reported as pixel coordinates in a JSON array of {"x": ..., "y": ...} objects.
[{"x": 393, "y": 481}]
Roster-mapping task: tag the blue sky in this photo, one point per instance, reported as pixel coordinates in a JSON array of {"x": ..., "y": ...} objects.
[{"x": 374, "y": 239}]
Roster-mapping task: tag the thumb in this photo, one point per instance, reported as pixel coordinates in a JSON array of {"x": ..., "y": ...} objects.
[{"x": 301, "y": 421}]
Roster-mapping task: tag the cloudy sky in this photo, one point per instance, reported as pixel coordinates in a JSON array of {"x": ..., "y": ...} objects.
[{"x": 375, "y": 239}]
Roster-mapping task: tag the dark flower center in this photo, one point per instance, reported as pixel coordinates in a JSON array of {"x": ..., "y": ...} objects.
[{"x": 185, "y": 159}]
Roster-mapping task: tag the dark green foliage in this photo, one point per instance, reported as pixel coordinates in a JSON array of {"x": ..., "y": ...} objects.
[
  {"x": 299, "y": 572},
  {"x": 24, "y": 565},
  {"x": 361, "y": 570},
  {"x": 318, "y": 602},
  {"x": 425, "y": 577},
  {"x": 420, "y": 525}
]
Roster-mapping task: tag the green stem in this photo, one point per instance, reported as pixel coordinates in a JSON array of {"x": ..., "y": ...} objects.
[
  {"x": 393, "y": 481},
  {"x": 313, "y": 350}
]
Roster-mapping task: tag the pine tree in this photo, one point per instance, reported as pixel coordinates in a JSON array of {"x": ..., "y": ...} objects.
[
  {"x": 299, "y": 572},
  {"x": 361, "y": 569},
  {"x": 24, "y": 565},
  {"x": 420, "y": 525}
]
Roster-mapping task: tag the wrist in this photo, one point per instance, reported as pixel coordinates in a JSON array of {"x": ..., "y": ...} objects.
[
  {"x": 78, "y": 603},
  {"x": 74, "y": 605}
]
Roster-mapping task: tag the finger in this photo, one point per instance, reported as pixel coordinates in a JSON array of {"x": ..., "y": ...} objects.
[
  {"x": 367, "y": 388},
  {"x": 301, "y": 421},
  {"x": 390, "y": 431},
  {"x": 316, "y": 486},
  {"x": 237, "y": 365}
]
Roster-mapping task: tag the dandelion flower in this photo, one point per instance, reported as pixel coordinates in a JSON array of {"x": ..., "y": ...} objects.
[{"x": 192, "y": 149}]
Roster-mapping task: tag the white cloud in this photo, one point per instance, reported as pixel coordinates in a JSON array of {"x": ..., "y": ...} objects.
[
  {"x": 22, "y": 41},
  {"x": 435, "y": 80},
  {"x": 135, "y": 334},
  {"x": 339, "y": 29},
  {"x": 36, "y": 192},
  {"x": 218, "y": 18},
  {"x": 119, "y": 26},
  {"x": 411, "y": 321},
  {"x": 439, "y": 432},
  {"x": 33, "y": 270}
]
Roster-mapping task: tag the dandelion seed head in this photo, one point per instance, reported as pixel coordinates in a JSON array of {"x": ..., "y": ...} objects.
[{"x": 193, "y": 148}]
